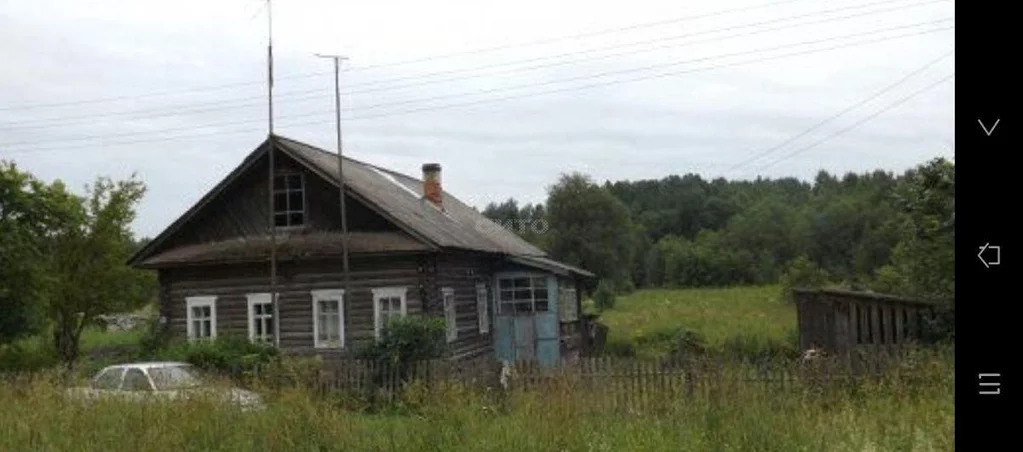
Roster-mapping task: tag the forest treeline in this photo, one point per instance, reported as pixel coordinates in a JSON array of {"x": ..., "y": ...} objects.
[{"x": 878, "y": 230}]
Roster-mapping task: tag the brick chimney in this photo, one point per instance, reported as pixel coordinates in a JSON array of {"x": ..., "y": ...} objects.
[{"x": 432, "y": 190}]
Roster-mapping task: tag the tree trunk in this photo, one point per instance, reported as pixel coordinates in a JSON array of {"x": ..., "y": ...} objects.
[{"x": 66, "y": 339}]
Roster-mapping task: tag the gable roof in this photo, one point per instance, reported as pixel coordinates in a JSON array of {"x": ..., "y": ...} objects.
[
  {"x": 396, "y": 196},
  {"x": 401, "y": 197}
]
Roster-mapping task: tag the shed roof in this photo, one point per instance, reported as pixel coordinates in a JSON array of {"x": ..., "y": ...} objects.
[
  {"x": 550, "y": 265},
  {"x": 864, "y": 295}
]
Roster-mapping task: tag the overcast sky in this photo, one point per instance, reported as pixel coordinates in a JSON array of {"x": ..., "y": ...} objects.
[{"x": 505, "y": 95}]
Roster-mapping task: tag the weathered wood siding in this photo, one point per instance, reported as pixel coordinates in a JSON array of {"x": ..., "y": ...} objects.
[
  {"x": 231, "y": 283},
  {"x": 241, "y": 210},
  {"x": 571, "y": 331},
  {"x": 842, "y": 320},
  {"x": 461, "y": 272}
]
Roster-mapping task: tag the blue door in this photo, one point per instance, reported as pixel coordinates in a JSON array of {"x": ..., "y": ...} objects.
[{"x": 526, "y": 320}]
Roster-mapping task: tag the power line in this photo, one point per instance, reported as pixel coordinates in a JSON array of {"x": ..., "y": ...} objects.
[
  {"x": 848, "y": 109},
  {"x": 860, "y": 122},
  {"x": 657, "y": 40},
  {"x": 482, "y": 101},
  {"x": 654, "y": 66},
  {"x": 647, "y": 77},
  {"x": 549, "y": 82},
  {"x": 250, "y": 102},
  {"x": 411, "y": 61}
]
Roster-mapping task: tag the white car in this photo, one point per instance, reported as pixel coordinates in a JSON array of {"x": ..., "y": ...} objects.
[{"x": 160, "y": 381}]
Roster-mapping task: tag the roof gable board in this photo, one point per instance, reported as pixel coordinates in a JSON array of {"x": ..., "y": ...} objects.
[{"x": 167, "y": 233}]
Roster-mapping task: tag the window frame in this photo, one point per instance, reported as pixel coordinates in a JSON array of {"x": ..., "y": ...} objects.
[
  {"x": 198, "y": 302},
  {"x": 145, "y": 374},
  {"x": 447, "y": 295},
  {"x": 338, "y": 296},
  {"x": 483, "y": 307},
  {"x": 516, "y": 275},
  {"x": 288, "y": 210},
  {"x": 120, "y": 378},
  {"x": 261, "y": 298},
  {"x": 387, "y": 292}
]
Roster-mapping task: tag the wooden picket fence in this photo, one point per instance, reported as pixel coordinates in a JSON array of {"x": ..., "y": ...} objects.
[
  {"x": 611, "y": 382},
  {"x": 383, "y": 381}
]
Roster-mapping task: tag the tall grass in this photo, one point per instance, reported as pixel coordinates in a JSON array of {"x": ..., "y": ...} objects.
[
  {"x": 753, "y": 320},
  {"x": 885, "y": 414}
]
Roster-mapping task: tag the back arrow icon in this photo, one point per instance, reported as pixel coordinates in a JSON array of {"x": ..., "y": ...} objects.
[{"x": 998, "y": 255}]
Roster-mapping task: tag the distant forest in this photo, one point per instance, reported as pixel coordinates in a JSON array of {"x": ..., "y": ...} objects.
[{"x": 878, "y": 230}]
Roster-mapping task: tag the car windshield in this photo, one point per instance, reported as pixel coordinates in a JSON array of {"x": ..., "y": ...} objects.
[{"x": 174, "y": 377}]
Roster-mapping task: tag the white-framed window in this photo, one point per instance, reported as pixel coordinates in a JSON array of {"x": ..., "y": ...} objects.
[
  {"x": 201, "y": 318},
  {"x": 522, "y": 294},
  {"x": 328, "y": 318},
  {"x": 289, "y": 200},
  {"x": 261, "y": 317},
  {"x": 450, "y": 313},
  {"x": 482, "y": 308},
  {"x": 387, "y": 302}
]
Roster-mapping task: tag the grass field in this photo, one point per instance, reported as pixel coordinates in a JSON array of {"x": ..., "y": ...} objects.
[
  {"x": 886, "y": 415},
  {"x": 727, "y": 415},
  {"x": 750, "y": 317}
]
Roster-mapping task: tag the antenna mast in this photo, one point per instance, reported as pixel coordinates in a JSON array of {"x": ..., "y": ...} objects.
[
  {"x": 341, "y": 179},
  {"x": 271, "y": 224}
]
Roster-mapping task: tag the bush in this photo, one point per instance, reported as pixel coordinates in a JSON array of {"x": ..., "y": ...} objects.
[
  {"x": 759, "y": 348},
  {"x": 25, "y": 356},
  {"x": 604, "y": 296},
  {"x": 687, "y": 343},
  {"x": 404, "y": 341},
  {"x": 625, "y": 286},
  {"x": 228, "y": 354},
  {"x": 407, "y": 339},
  {"x": 290, "y": 371},
  {"x": 155, "y": 338},
  {"x": 802, "y": 273}
]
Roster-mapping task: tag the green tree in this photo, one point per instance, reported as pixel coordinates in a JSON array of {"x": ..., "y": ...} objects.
[
  {"x": 923, "y": 262},
  {"x": 23, "y": 224},
  {"x": 802, "y": 273},
  {"x": 604, "y": 297},
  {"x": 528, "y": 222},
  {"x": 590, "y": 228},
  {"x": 90, "y": 241}
]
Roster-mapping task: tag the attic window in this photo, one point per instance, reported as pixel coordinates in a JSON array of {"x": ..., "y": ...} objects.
[{"x": 289, "y": 200}]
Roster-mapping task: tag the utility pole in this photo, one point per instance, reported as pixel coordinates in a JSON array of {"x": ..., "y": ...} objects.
[
  {"x": 341, "y": 181},
  {"x": 271, "y": 224}
]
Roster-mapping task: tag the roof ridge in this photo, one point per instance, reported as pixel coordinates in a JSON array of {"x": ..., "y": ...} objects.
[{"x": 334, "y": 154}]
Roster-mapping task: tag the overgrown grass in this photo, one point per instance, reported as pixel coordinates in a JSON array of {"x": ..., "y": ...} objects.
[
  {"x": 746, "y": 320},
  {"x": 888, "y": 414},
  {"x": 98, "y": 348}
]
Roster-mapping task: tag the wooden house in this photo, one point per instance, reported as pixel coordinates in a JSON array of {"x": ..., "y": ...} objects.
[{"x": 414, "y": 250}]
